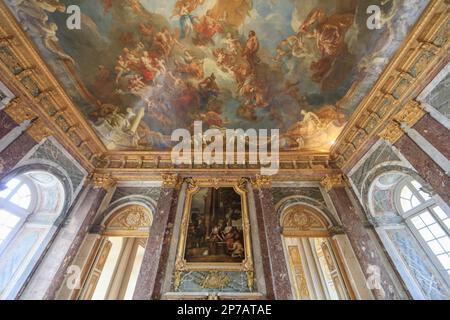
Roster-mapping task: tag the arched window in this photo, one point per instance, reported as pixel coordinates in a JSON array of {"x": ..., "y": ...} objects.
[
  {"x": 117, "y": 259},
  {"x": 313, "y": 264},
  {"x": 429, "y": 222},
  {"x": 413, "y": 225},
  {"x": 30, "y": 204}
]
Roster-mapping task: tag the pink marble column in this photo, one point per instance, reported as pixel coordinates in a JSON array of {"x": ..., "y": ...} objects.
[
  {"x": 435, "y": 133},
  {"x": 425, "y": 166},
  {"x": 6, "y": 124},
  {"x": 275, "y": 266},
  {"x": 155, "y": 260},
  {"x": 365, "y": 249},
  {"x": 15, "y": 152}
]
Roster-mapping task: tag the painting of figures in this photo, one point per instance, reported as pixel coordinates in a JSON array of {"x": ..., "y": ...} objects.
[
  {"x": 215, "y": 232},
  {"x": 139, "y": 69}
]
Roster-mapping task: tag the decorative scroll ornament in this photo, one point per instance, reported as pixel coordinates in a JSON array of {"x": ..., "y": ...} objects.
[
  {"x": 170, "y": 180},
  {"x": 191, "y": 184},
  {"x": 330, "y": 182},
  {"x": 132, "y": 218},
  {"x": 392, "y": 133},
  {"x": 242, "y": 184},
  {"x": 215, "y": 280},
  {"x": 295, "y": 260},
  {"x": 411, "y": 113},
  {"x": 301, "y": 219},
  {"x": 104, "y": 181}
]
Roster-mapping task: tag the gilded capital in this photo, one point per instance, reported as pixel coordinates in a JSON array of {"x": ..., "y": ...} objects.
[
  {"x": 39, "y": 131},
  {"x": 261, "y": 182},
  {"x": 411, "y": 112},
  {"x": 170, "y": 180},
  {"x": 330, "y": 182},
  {"x": 19, "y": 111},
  {"x": 103, "y": 181},
  {"x": 392, "y": 133}
]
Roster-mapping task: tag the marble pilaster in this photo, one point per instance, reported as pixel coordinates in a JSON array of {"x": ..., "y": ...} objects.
[
  {"x": 6, "y": 124},
  {"x": 14, "y": 152},
  {"x": 425, "y": 166},
  {"x": 151, "y": 276},
  {"x": 278, "y": 286},
  {"x": 367, "y": 252},
  {"x": 437, "y": 134}
]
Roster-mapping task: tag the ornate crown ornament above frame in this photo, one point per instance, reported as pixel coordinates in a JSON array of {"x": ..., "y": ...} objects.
[
  {"x": 421, "y": 56},
  {"x": 129, "y": 221},
  {"x": 181, "y": 265}
]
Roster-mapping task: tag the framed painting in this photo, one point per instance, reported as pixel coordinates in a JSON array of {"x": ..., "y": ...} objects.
[{"x": 215, "y": 229}]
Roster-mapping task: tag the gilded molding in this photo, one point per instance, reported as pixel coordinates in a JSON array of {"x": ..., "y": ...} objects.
[{"x": 182, "y": 266}]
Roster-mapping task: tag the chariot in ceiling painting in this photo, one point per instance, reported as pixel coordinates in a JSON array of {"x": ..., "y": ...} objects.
[{"x": 138, "y": 69}]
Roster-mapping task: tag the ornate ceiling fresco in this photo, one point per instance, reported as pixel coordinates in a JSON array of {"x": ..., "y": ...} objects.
[{"x": 138, "y": 69}]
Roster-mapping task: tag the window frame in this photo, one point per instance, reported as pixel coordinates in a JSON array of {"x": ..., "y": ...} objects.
[
  {"x": 19, "y": 212},
  {"x": 424, "y": 206}
]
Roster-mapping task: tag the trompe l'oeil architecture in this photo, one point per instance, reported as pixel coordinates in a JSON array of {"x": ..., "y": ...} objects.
[{"x": 94, "y": 203}]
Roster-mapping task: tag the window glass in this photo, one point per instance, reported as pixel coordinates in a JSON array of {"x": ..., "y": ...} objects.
[
  {"x": 25, "y": 195},
  {"x": 10, "y": 186},
  {"x": 8, "y": 222},
  {"x": 22, "y": 197}
]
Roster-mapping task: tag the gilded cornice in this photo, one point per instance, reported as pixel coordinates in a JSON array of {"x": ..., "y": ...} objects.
[
  {"x": 155, "y": 174},
  {"x": 27, "y": 75},
  {"x": 416, "y": 62}
]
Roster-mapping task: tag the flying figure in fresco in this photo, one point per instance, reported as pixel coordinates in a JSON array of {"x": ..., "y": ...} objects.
[
  {"x": 329, "y": 33},
  {"x": 184, "y": 9},
  {"x": 35, "y": 13}
]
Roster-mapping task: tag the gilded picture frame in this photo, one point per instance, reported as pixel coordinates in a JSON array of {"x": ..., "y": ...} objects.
[{"x": 182, "y": 265}]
